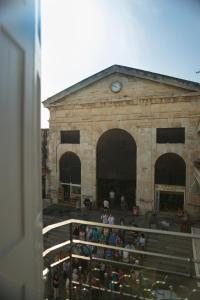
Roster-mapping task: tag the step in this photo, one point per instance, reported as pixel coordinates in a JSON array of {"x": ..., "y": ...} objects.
[{"x": 171, "y": 265}]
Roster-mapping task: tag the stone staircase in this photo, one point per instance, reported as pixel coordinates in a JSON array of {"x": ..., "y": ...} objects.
[{"x": 177, "y": 246}]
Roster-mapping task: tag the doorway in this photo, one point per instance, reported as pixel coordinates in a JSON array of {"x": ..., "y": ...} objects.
[
  {"x": 170, "y": 178},
  {"x": 70, "y": 175},
  {"x": 170, "y": 201},
  {"x": 116, "y": 167}
]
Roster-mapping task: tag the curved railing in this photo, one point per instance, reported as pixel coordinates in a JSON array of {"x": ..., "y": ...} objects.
[{"x": 72, "y": 242}]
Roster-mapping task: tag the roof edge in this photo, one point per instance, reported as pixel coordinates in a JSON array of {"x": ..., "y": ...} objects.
[{"x": 156, "y": 77}]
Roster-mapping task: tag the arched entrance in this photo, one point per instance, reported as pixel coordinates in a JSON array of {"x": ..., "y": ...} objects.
[
  {"x": 170, "y": 177},
  {"x": 116, "y": 166},
  {"x": 70, "y": 175}
]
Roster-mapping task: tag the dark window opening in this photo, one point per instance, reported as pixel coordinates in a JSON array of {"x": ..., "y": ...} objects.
[
  {"x": 70, "y": 137},
  {"x": 170, "y": 135}
]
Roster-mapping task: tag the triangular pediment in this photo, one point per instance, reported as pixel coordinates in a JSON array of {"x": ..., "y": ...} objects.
[{"x": 134, "y": 83}]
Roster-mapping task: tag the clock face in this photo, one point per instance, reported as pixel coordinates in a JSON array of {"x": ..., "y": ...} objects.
[{"x": 116, "y": 87}]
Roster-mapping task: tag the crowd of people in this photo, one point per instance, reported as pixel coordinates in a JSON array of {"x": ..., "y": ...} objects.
[
  {"x": 102, "y": 236},
  {"x": 103, "y": 275},
  {"x": 112, "y": 237}
]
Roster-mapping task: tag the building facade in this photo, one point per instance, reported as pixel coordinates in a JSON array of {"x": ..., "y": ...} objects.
[{"x": 127, "y": 131}]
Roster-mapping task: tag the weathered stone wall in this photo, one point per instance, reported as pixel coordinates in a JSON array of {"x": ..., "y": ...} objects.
[{"x": 139, "y": 108}]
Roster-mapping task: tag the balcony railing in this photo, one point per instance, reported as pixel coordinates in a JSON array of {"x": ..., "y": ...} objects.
[{"x": 120, "y": 289}]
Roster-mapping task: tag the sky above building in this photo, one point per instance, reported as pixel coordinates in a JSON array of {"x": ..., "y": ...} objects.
[{"x": 83, "y": 37}]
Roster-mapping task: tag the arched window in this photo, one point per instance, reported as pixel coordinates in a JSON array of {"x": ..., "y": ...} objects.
[
  {"x": 170, "y": 169},
  {"x": 70, "y": 168}
]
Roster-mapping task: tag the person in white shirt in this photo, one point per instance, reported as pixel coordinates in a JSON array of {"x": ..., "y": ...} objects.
[
  {"x": 106, "y": 204},
  {"x": 111, "y": 219},
  {"x": 142, "y": 242},
  {"x": 112, "y": 198},
  {"x": 104, "y": 218},
  {"x": 127, "y": 255}
]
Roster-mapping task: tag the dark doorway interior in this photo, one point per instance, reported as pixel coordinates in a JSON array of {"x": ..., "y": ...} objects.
[
  {"x": 70, "y": 172},
  {"x": 116, "y": 166},
  {"x": 170, "y": 169},
  {"x": 171, "y": 201},
  {"x": 70, "y": 168}
]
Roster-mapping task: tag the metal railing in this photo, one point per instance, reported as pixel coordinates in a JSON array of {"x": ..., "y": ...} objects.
[{"x": 71, "y": 243}]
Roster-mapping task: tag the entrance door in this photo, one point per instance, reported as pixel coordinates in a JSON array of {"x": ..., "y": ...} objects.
[
  {"x": 70, "y": 175},
  {"x": 170, "y": 178},
  {"x": 171, "y": 201},
  {"x": 116, "y": 166}
]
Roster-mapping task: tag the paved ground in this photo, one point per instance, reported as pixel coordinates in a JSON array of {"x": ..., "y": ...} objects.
[{"x": 58, "y": 212}]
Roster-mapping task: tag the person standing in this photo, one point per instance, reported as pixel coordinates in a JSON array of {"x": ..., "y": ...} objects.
[
  {"x": 55, "y": 285},
  {"x": 106, "y": 204},
  {"x": 141, "y": 242},
  {"x": 112, "y": 198},
  {"x": 123, "y": 203},
  {"x": 111, "y": 219},
  {"x": 104, "y": 218},
  {"x": 66, "y": 269},
  {"x": 127, "y": 256}
]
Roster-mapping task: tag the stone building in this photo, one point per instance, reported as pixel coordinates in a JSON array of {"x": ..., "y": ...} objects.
[{"x": 129, "y": 131}]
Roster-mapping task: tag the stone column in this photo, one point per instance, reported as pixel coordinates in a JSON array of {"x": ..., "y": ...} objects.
[
  {"x": 144, "y": 194},
  {"x": 53, "y": 163},
  {"x": 88, "y": 166}
]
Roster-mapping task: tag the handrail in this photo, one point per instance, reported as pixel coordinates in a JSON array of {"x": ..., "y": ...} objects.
[
  {"x": 57, "y": 246},
  {"x": 73, "y": 242},
  {"x": 108, "y": 290},
  {"x": 130, "y": 228},
  {"x": 131, "y": 251}
]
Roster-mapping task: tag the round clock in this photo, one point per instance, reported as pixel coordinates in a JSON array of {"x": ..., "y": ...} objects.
[{"x": 116, "y": 87}]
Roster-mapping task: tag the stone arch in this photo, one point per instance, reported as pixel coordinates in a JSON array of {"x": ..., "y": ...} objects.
[
  {"x": 70, "y": 168},
  {"x": 170, "y": 169},
  {"x": 170, "y": 181},
  {"x": 70, "y": 178},
  {"x": 116, "y": 166}
]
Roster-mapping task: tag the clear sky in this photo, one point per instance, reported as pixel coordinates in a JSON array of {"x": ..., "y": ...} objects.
[{"x": 83, "y": 37}]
